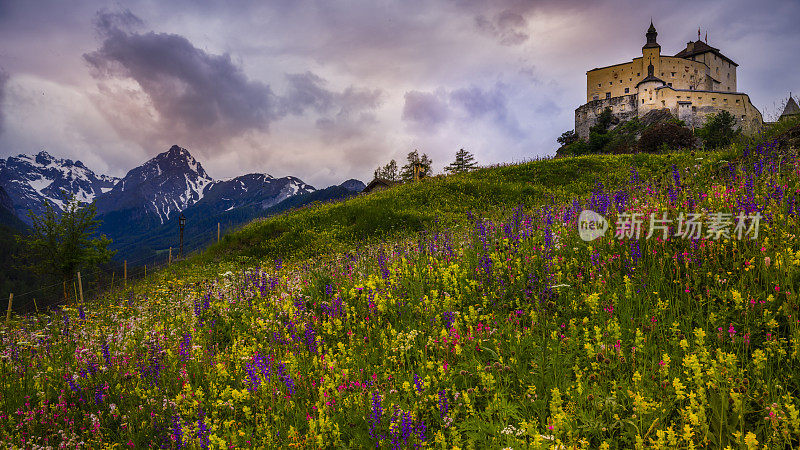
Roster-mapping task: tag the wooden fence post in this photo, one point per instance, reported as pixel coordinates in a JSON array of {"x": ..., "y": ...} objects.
[
  {"x": 65, "y": 290},
  {"x": 80, "y": 287},
  {"x": 112, "y": 281},
  {"x": 170, "y": 255},
  {"x": 8, "y": 314},
  {"x": 145, "y": 270},
  {"x": 125, "y": 274},
  {"x": 218, "y": 232},
  {"x": 35, "y": 306}
]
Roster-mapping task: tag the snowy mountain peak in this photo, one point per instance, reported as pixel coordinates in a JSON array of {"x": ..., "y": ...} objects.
[
  {"x": 33, "y": 180},
  {"x": 42, "y": 158},
  {"x": 166, "y": 185}
]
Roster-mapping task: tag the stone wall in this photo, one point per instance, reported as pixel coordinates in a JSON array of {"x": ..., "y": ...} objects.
[{"x": 623, "y": 107}]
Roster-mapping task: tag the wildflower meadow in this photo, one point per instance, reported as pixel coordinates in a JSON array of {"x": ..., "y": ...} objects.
[{"x": 501, "y": 329}]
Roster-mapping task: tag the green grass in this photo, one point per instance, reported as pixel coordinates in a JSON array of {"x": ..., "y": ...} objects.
[
  {"x": 436, "y": 203},
  {"x": 393, "y": 308}
]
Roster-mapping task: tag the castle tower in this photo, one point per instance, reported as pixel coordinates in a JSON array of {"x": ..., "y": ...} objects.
[
  {"x": 648, "y": 89},
  {"x": 791, "y": 110},
  {"x": 651, "y": 52}
]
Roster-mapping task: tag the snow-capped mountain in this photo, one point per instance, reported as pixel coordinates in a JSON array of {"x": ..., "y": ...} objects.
[
  {"x": 152, "y": 195},
  {"x": 139, "y": 211},
  {"x": 32, "y": 180},
  {"x": 158, "y": 189},
  {"x": 253, "y": 189}
]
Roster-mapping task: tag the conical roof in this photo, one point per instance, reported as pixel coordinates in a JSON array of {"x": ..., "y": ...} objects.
[{"x": 791, "y": 108}]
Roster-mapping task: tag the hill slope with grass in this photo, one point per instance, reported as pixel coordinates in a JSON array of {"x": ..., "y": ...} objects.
[{"x": 462, "y": 311}]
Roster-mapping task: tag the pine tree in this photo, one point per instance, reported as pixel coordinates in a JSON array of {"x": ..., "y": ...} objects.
[
  {"x": 407, "y": 172},
  {"x": 465, "y": 161},
  {"x": 387, "y": 172}
]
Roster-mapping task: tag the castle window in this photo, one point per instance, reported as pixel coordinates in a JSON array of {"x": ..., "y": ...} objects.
[
  {"x": 627, "y": 90},
  {"x": 599, "y": 85},
  {"x": 737, "y": 101},
  {"x": 663, "y": 103},
  {"x": 725, "y": 100},
  {"x": 610, "y": 83},
  {"x": 643, "y": 101},
  {"x": 713, "y": 99},
  {"x": 638, "y": 74},
  {"x": 673, "y": 74},
  {"x": 608, "y": 94}
]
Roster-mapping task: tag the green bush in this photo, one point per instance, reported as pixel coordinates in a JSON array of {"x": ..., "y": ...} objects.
[
  {"x": 669, "y": 135},
  {"x": 719, "y": 130}
]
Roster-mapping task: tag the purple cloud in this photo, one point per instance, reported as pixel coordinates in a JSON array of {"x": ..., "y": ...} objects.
[
  {"x": 425, "y": 110},
  {"x": 189, "y": 88},
  {"x": 507, "y": 27}
]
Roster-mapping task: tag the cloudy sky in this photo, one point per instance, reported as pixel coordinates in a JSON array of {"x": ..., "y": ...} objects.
[{"x": 327, "y": 90}]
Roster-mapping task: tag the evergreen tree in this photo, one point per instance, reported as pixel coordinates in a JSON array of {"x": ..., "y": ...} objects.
[
  {"x": 407, "y": 172},
  {"x": 719, "y": 130},
  {"x": 387, "y": 172},
  {"x": 465, "y": 161},
  {"x": 58, "y": 246}
]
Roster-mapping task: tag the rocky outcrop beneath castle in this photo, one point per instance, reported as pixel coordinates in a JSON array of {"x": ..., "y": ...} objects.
[
  {"x": 624, "y": 108},
  {"x": 655, "y": 116}
]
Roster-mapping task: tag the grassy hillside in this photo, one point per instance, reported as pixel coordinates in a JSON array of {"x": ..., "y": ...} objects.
[
  {"x": 343, "y": 326},
  {"x": 438, "y": 203}
]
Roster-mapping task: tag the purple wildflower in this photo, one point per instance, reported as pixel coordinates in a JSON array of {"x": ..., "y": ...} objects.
[
  {"x": 444, "y": 406},
  {"x": 375, "y": 417},
  {"x": 202, "y": 430},
  {"x": 186, "y": 347},
  {"x": 448, "y": 317},
  {"x": 106, "y": 354},
  {"x": 177, "y": 431}
]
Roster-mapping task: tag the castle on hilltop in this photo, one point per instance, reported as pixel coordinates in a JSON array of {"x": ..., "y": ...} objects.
[{"x": 694, "y": 83}]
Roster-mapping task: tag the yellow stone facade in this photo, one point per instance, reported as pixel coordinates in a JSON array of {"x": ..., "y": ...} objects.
[{"x": 694, "y": 83}]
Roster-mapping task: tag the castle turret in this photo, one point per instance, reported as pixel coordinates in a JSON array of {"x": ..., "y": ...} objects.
[
  {"x": 648, "y": 89},
  {"x": 652, "y": 51},
  {"x": 651, "y": 36},
  {"x": 791, "y": 110}
]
